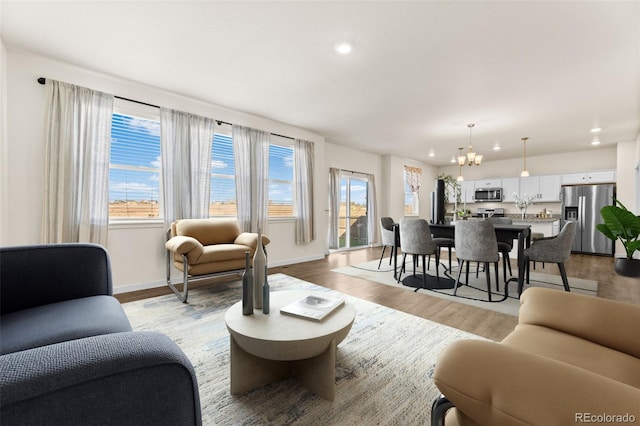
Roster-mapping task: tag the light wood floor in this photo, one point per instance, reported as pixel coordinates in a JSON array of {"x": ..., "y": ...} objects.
[{"x": 478, "y": 321}]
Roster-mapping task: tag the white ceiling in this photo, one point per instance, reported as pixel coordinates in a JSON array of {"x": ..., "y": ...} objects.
[{"x": 419, "y": 72}]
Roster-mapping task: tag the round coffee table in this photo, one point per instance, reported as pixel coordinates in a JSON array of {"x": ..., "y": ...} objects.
[{"x": 272, "y": 347}]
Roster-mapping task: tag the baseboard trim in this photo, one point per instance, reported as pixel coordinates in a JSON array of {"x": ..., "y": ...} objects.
[{"x": 129, "y": 288}]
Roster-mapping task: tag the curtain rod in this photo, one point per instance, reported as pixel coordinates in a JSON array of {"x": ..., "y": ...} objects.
[{"x": 43, "y": 80}]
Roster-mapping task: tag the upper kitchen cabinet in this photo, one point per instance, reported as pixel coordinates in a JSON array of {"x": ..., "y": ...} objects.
[
  {"x": 606, "y": 176},
  {"x": 509, "y": 187},
  {"x": 487, "y": 183},
  {"x": 468, "y": 188},
  {"x": 543, "y": 188}
]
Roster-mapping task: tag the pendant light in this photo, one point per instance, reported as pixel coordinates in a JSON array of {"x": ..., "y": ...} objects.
[
  {"x": 525, "y": 172},
  {"x": 461, "y": 162}
]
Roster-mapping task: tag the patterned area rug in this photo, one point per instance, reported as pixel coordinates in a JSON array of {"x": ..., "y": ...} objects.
[
  {"x": 476, "y": 293},
  {"x": 383, "y": 372}
]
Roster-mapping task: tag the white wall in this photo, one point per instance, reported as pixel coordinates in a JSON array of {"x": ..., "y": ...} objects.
[{"x": 136, "y": 252}]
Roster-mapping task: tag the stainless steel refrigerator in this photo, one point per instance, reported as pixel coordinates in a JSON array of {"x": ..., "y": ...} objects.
[{"x": 582, "y": 204}]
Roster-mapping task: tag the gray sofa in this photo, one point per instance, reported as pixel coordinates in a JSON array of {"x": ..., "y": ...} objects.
[{"x": 68, "y": 354}]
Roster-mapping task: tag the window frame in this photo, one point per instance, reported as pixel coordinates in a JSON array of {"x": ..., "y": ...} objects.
[{"x": 283, "y": 142}]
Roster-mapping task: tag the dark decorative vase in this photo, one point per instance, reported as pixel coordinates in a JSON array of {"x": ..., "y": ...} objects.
[
  {"x": 247, "y": 286},
  {"x": 627, "y": 267},
  {"x": 265, "y": 293}
]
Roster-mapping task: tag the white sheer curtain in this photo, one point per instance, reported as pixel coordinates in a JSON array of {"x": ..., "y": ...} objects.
[
  {"x": 334, "y": 206},
  {"x": 304, "y": 169},
  {"x": 76, "y": 169},
  {"x": 186, "y": 164},
  {"x": 372, "y": 211},
  {"x": 251, "y": 154}
]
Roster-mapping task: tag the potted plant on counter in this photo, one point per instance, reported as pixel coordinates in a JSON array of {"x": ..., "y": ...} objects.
[{"x": 621, "y": 224}]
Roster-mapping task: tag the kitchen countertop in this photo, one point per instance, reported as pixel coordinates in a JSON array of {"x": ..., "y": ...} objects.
[{"x": 532, "y": 219}]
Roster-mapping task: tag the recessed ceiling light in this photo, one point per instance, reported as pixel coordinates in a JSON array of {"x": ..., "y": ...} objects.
[
  {"x": 595, "y": 142},
  {"x": 595, "y": 130},
  {"x": 432, "y": 154},
  {"x": 496, "y": 147},
  {"x": 343, "y": 48},
  {"x": 453, "y": 160}
]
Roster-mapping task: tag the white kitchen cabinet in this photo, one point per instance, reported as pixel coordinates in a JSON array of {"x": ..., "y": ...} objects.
[
  {"x": 468, "y": 191},
  {"x": 550, "y": 187},
  {"x": 530, "y": 185},
  {"x": 543, "y": 188},
  {"x": 487, "y": 183},
  {"x": 509, "y": 186},
  {"x": 605, "y": 176}
]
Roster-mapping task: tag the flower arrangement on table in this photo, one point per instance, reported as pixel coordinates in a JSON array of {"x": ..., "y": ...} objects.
[{"x": 523, "y": 202}]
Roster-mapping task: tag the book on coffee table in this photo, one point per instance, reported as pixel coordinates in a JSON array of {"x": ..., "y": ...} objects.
[{"x": 314, "y": 308}]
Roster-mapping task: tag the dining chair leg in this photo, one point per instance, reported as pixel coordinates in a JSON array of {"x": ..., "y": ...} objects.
[
  {"x": 415, "y": 260},
  {"x": 428, "y": 260},
  {"x": 382, "y": 255},
  {"x": 495, "y": 267},
  {"x": 424, "y": 273},
  {"x": 467, "y": 273},
  {"x": 455, "y": 285},
  {"x": 449, "y": 258},
  {"x": 488, "y": 274},
  {"x": 404, "y": 258},
  {"x": 437, "y": 265},
  {"x": 393, "y": 253},
  {"x": 563, "y": 273}
]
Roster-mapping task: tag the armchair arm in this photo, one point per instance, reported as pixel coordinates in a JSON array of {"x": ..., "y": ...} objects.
[
  {"x": 499, "y": 385},
  {"x": 250, "y": 239},
  {"x": 128, "y": 378},
  {"x": 41, "y": 274},
  {"x": 184, "y": 245},
  {"x": 606, "y": 322}
]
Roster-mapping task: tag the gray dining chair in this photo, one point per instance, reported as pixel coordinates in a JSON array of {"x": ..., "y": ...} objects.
[
  {"x": 388, "y": 238},
  {"x": 416, "y": 240},
  {"x": 505, "y": 245},
  {"x": 476, "y": 242},
  {"x": 555, "y": 249}
]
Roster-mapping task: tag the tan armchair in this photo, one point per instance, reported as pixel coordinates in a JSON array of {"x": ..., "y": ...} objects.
[
  {"x": 208, "y": 248},
  {"x": 571, "y": 357}
]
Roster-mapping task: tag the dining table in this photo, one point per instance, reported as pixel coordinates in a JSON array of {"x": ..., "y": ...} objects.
[{"x": 522, "y": 233}]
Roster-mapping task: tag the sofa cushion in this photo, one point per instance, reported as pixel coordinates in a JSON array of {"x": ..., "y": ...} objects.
[
  {"x": 209, "y": 231},
  {"x": 62, "y": 321},
  {"x": 576, "y": 351}
]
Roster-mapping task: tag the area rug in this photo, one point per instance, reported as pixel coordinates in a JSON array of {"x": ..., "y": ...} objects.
[
  {"x": 383, "y": 372},
  {"x": 476, "y": 293}
]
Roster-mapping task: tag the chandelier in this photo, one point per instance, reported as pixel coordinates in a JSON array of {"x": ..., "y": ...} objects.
[{"x": 471, "y": 158}]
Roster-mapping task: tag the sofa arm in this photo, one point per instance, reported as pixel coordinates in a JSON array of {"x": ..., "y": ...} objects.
[
  {"x": 250, "y": 239},
  {"x": 603, "y": 321},
  {"x": 494, "y": 384},
  {"x": 184, "y": 245},
  {"x": 128, "y": 378}
]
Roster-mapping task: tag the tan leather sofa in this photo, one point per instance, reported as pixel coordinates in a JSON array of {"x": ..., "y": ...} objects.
[
  {"x": 571, "y": 359},
  {"x": 208, "y": 247}
]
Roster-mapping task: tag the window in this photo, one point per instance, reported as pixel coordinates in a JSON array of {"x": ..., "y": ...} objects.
[
  {"x": 134, "y": 167},
  {"x": 410, "y": 201},
  {"x": 223, "y": 183},
  {"x": 280, "y": 181}
]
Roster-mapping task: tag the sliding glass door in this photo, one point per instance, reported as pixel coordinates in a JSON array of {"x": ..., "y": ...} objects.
[{"x": 352, "y": 217}]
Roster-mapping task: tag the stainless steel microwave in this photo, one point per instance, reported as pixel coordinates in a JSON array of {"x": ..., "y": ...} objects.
[{"x": 488, "y": 194}]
